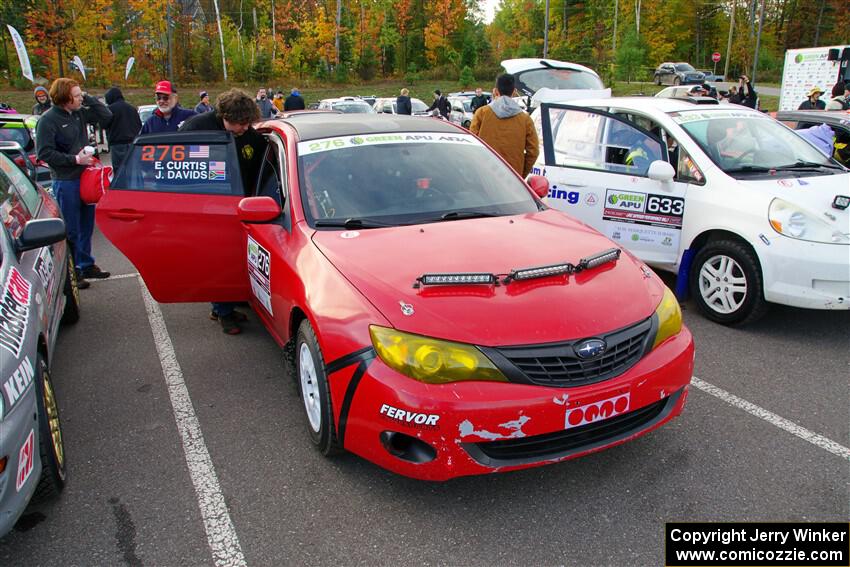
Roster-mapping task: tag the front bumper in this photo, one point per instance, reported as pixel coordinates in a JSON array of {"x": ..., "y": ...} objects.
[
  {"x": 14, "y": 431},
  {"x": 437, "y": 432},
  {"x": 806, "y": 274}
]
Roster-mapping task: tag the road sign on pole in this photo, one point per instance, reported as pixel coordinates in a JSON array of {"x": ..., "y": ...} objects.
[{"x": 715, "y": 56}]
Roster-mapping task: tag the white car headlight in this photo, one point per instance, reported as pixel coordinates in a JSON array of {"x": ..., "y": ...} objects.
[{"x": 795, "y": 222}]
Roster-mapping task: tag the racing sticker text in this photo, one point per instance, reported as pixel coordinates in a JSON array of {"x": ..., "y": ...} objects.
[
  {"x": 20, "y": 380},
  {"x": 410, "y": 418},
  {"x": 44, "y": 266},
  {"x": 14, "y": 312},
  {"x": 596, "y": 411},
  {"x": 642, "y": 208},
  {"x": 259, "y": 271}
]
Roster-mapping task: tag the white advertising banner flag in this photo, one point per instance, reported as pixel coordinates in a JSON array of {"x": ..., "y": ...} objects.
[
  {"x": 23, "y": 57},
  {"x": 79, "y": 63},
  {"x": 130, "y": 62}
]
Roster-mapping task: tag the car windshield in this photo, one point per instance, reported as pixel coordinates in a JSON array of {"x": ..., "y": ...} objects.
[
  {"x": 16, "y": 132},
  {"x": 748, "y": 142},
  {"x": 405, "y": 178},
  {"x": 418, "y": 106},
  {"x": 145, "y": 113},
  {"x": 353, "y": 107},
  {"x": 684, "y": 67},
  {"x": 558, "y": 79}
]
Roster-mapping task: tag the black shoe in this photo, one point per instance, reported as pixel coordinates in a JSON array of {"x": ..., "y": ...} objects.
[
  {"x": 229, "y": 326},
  {"x": 93, "y": 272},
  {"x": 238, "y": 316},
  {"x": 82, "y": 283}
]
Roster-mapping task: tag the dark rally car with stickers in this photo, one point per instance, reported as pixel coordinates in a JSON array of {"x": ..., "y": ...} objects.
[{"x": 37, "y": 292}]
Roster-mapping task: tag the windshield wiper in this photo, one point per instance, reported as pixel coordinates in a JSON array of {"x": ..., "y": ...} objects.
[
  {"x": 749, "y": 169},
  {"x": 352, "y": 223},
  {"x": 457, "y": 215},
  {"x": 801, "y": 164}
]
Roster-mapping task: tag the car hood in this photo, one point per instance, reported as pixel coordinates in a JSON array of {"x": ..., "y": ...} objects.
[
  {"x": 383, "y": 265},
  {"x": 814, "y": 194}
]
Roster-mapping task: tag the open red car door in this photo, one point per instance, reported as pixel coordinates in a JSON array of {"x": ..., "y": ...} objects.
[{"x": 172, "y": 210}]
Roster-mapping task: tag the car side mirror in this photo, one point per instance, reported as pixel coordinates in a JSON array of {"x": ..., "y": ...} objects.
[
  {"x": 540, "y": 185},
  {"x": 41, "y": 232},
  {"x": 662, "y": 171},
  {"x": 258, "y": 209}
]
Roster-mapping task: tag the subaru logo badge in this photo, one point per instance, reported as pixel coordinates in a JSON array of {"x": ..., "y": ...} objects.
[{"x": 590, "y": 348}]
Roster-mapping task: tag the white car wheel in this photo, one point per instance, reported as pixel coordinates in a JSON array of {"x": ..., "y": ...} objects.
[
  {"x": 723, "y": 284},
  {"x": 309, "y": 388}
]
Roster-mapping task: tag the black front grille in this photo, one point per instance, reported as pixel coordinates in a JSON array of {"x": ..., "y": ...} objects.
[
  {"x": 558, "y": 365},
  {"x": 561, "y": 444}
]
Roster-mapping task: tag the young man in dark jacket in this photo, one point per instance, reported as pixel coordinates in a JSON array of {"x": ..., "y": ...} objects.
[
  {"x": 441, "y": 103},
  {"x": 61, "y": 136},
  {"x": 169, "y": 115},
  {"x": 479, "y": 100},
  {"x": 235, "y": 112},
  {"x": 746, "y": 95},
  {"x": 42, "y": 101},
  {"x": 123, "y": 127}
]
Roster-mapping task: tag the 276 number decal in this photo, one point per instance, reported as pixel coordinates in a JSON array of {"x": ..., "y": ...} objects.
[{"x": 665, "y": 205}]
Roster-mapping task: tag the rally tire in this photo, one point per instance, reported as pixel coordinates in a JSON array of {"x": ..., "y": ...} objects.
[
  {"x": 51, "y": 446},
  {"x": 658, "y": 80},
  {"x": 314, "y": 390},
  {"x": 467, "y": 124},
  {"x": 727, "y": 284},
  {"x": 71, "y": 313},
  {"x": 677, "y": 81}
]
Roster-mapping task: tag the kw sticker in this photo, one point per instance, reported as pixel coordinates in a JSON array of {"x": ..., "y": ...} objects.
[
  {"x": 19, "y": 381},
  {"x": 259, "y": 270}
]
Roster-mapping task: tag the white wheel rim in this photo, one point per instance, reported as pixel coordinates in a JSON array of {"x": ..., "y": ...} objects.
[
  {"x": 722, "y": 284},
  {"x": 310, "y": 387}
]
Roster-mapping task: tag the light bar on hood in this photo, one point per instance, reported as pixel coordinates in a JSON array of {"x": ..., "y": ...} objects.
[
  {"x": 541, "y": 272},
  {"x": 610, "y": 255},
  {"x": 455, "y": 279}
]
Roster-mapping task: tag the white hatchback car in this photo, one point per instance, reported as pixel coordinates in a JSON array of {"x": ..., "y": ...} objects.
[{"x": 739, "y": 206}]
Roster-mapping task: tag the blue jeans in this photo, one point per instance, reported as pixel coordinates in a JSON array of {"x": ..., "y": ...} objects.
[
  {"x": 79, "y": 220},
  {"x": 223, "y": 309}
]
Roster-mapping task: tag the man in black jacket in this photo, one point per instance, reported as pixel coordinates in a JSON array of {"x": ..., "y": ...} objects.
[
  {"x": 478, "y": 100},
  {"x": 123, "y": 127},
  {"x": 294, "y": 101},
  {"x": 441, "y": 103},
  {"x": 235, "y": 112},
  {"x": 62, "y": 139},
  {"x": 746, "y": 95},
  {"x": 403, "y": 104}
]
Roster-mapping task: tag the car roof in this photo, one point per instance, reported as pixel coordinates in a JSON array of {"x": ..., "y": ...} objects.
[
  {"x": 514, "y": 66},
  {"x": 648, "y": 104},
  {"x": 344, "y": 99},
  {"x": 312, "y": 126},
  {"x": 823, "y": 116}
]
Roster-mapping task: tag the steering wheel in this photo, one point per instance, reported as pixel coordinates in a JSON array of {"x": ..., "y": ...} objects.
[
  {"x": 737, "y": 160},
  {"x": 433, "y": 196}
]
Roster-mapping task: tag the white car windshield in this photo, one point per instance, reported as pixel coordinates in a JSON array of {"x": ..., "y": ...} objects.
[
  {"x": 418, "y": 106},
  {"x": 353, "y": 107},
  {"x": 405, "y": 178},
  {"x": 746, "y": 142}
]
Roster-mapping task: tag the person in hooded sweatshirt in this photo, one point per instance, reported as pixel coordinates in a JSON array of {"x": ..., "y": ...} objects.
[
  {"x": 123, "y": 127},
  {"x": 822, "y": 136},
  {"x": 42, "y": 101},
  {"x": 294, "y": 101},
  {"x": 506, "y": 128}
]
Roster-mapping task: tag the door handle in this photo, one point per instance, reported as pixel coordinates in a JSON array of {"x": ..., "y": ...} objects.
[
  {"x": 126, "y": 215},
  {"x": 574, "y": 185}
]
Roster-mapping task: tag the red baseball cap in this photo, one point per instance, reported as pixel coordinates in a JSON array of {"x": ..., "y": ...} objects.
[{"x": 164, "y": 87}]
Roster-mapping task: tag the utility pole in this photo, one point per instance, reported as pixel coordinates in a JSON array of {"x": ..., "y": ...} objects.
[
  {"x": 758, "y": 43},
  {"x": 338, "y": 20},
  {"x": 729, "y": 42},
  {"x": 220, "y": 39},
  {"x": 168, "y": 41},
  {"x": 546, "y": 32},
  {"x": 616, "y": 14}
]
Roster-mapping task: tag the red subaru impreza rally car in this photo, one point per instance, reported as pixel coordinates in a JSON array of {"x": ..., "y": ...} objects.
[{"x": 442, "y": 320}]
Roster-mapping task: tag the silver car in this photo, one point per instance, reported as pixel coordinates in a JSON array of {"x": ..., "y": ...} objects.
[{"x": 38, "y": 291}]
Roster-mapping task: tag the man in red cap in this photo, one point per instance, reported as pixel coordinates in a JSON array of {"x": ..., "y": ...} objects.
[{"x": 169, "y": 115}]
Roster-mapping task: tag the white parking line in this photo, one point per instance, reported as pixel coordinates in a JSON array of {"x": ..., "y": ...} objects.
[
  {"x": 118, "y": 277},
  {"x": 221, "y": 534},
  {"x": 772, "y": 418}
]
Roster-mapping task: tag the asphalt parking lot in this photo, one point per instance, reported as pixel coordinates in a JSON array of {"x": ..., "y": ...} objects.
[{"x": 188, "y": 447}]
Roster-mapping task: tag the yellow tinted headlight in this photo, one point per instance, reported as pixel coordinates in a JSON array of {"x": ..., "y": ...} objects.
[
  {"x": 430, "y": 360},
  {"x": 669, "y": 317}
]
